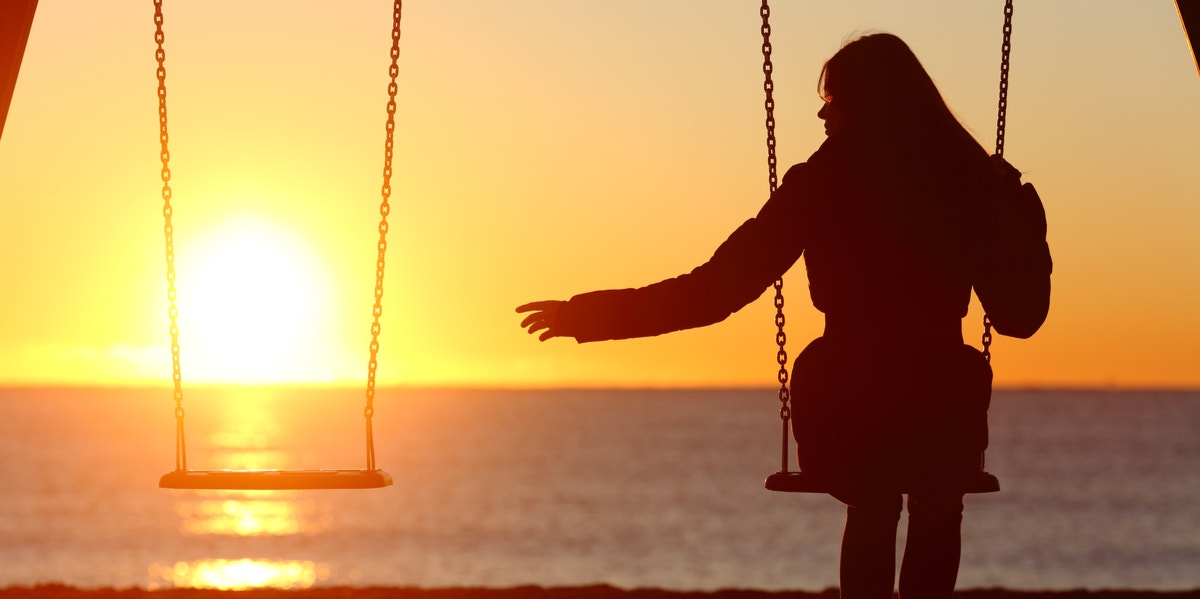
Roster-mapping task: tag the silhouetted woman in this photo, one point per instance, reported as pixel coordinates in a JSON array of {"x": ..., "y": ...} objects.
[{"x": 886, "y": 214}]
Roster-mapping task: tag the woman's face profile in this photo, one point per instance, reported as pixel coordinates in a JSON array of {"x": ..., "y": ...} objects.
[{"x": 833, "y": 115}]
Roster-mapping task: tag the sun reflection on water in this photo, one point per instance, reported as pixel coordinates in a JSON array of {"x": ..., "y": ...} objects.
[
  {"x": 227, "y": 574},
  {"x": 247, "y": 437},
  {"x": 245, "y": 432},
  {"x": 253, "y": 513}
]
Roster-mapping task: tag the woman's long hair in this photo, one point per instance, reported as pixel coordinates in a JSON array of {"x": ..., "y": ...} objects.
[
  {"x": 929, "y": 167},
  {"x": 879, "y": 84}
]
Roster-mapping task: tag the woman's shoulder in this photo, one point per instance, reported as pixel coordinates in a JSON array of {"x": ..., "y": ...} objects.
[{"x": 837, "y": 157}]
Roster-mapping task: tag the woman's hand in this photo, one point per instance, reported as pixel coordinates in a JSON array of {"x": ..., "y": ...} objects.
[{"x": 544, "y": 318}]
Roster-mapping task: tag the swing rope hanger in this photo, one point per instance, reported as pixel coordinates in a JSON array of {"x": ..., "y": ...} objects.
[{"x": 183, "y": 478}]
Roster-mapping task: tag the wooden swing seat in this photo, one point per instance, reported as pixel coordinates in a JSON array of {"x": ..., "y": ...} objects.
[
  {"x": 275, "y": 480},
  {"x": 807, "y": 482}
]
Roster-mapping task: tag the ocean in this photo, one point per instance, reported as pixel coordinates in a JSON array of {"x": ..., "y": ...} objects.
[{"x": 497, "y": 488}]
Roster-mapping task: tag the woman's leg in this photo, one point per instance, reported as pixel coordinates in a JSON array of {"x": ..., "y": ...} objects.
[
  {"x": 931, "y": 553},
  {"x": 868, "y": 567}
]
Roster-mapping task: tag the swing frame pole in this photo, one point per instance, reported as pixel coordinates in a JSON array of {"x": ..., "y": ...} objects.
[
  {"x": 16, "y": 20},
  {"x": 1189, "y": 17}
]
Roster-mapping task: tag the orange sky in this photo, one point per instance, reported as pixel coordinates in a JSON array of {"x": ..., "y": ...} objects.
[{"x": 544, "y": 149}]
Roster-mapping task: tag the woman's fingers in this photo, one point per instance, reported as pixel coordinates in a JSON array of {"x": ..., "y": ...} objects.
[
  {"x": 539, "y": 305},
  {"x": 542, "y": 317},
  {"x": 535, "y": 323}
]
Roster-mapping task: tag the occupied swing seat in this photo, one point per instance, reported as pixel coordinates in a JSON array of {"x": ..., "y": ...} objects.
[
  {"x": 807, "y": 482},
  {"x": 275, "y": 480}
]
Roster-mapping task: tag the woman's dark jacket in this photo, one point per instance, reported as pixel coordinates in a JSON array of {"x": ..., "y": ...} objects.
[{"x": 888, "y": 235}]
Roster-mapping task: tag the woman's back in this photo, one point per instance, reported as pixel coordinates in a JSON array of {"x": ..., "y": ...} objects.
[{"x": 890, "y": 243}]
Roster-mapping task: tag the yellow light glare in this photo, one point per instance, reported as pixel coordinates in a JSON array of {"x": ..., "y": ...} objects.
[
  {"x": 239, "y": 574},
  {"x": 253, "y": 306},
  {"x": 253, "y": 514}
]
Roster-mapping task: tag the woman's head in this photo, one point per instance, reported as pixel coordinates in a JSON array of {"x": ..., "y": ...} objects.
[{"x": 876, "y": 81}]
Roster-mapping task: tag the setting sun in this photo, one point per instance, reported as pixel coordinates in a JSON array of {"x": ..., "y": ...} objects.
[{"x": 254, "y": 305}]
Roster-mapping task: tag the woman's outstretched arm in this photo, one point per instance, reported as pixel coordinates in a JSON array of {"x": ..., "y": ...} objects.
[{"x": 748, "y": 262}]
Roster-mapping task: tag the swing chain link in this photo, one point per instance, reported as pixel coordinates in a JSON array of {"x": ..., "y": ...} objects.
[
  {"x": 1001, "y": 116},
  {"x": 160, "y": 57},
  {"x": 381, "y": 246},
  {"x": 987, "y": 339},
  {"x": 773, "y": 180}
]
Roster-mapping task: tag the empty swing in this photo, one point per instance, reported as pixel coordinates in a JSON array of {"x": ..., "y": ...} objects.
[
  {"x": 786, "y": 480},
  {"x": 181, "y": 477}
]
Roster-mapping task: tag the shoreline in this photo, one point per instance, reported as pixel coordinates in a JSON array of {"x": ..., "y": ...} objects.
[{"x": 56, "y": 591}]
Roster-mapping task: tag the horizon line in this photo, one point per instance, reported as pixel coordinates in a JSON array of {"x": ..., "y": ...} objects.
[{"x": 167, "y": 387}]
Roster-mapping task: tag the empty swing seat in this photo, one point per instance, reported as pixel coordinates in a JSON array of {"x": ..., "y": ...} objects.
[{"x": 275, "y": 480}]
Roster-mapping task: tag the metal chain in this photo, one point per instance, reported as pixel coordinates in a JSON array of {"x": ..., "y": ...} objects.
[
  {"x": 169, "y": 234},
  {"x": 1005, "y": 51},
  {"x": 168, "y": 230},
  {"x": 384, "y": 209},
  {"x": 160, "y": 56},
  {"x": 773, "y": 180},
  {"x": 769, "y": 89},
  {"x": 1001, "y": 115},
  {"x": 986, "y": 340}
]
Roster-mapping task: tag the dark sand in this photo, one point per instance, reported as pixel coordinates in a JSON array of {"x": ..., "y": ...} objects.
[{"x": 533, "y": 592}]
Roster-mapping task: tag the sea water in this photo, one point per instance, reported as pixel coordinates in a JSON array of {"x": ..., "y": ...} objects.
[{"x": 635, "y": 488}]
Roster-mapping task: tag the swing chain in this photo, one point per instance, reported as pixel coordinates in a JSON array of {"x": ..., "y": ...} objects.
[
  {"x": 1005, "y": 51},
  {"x": 1001, "y": 115},
  {"x": 381, "y": 246},
  {"x": 769, "y": 88},
  {"x": 773, "y": 180},
  {"x": 160, "y": 56}
]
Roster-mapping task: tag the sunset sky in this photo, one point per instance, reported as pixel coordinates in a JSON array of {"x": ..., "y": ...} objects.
[{"x": 544, "y": 148}]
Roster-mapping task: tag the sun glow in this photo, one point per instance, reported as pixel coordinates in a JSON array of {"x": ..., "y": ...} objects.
[{"x": 254, "y": 306}]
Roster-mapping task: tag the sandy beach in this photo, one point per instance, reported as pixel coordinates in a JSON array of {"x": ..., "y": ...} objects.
[{"x": 535, "y": 592}]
